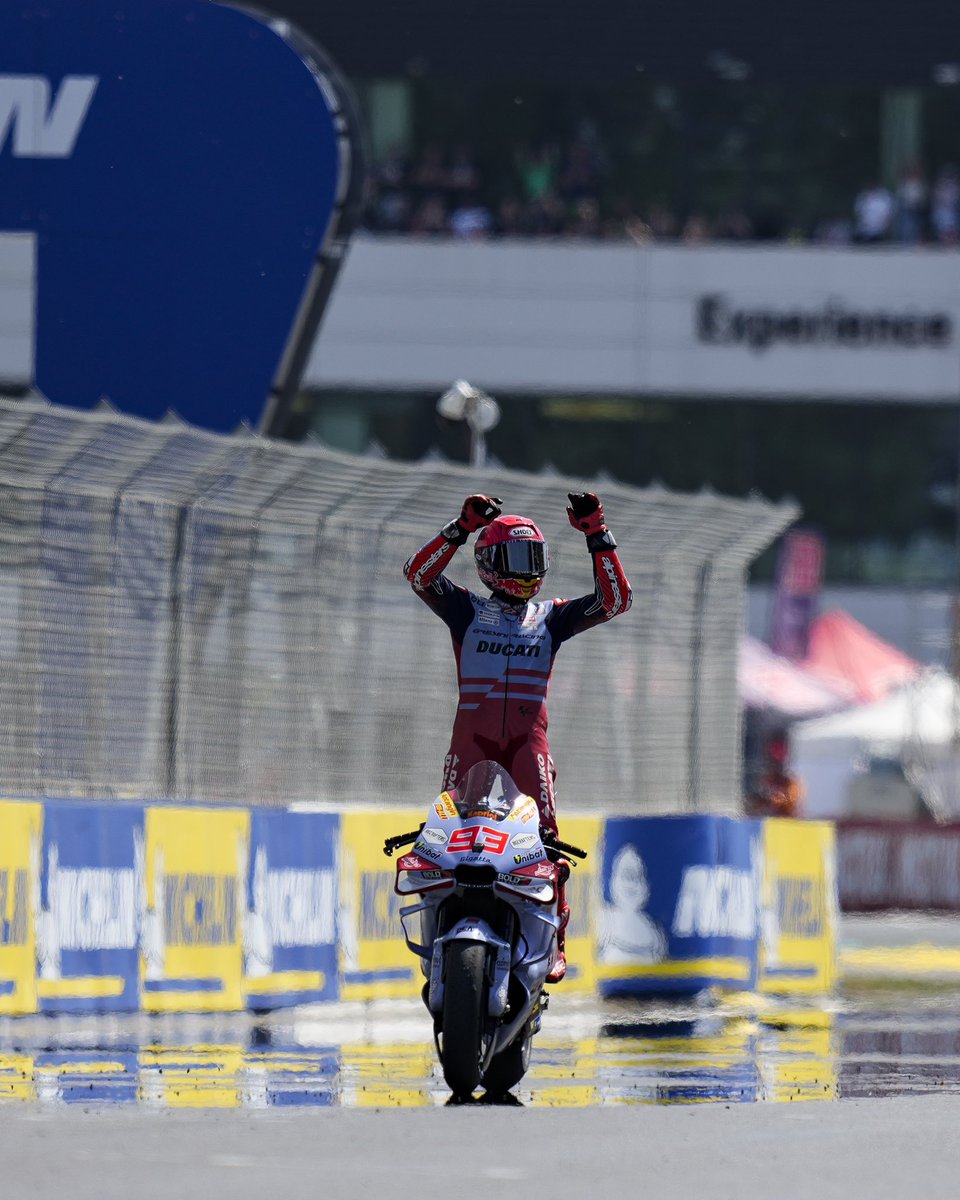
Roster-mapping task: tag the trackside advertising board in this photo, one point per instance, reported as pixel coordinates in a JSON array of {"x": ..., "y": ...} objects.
[
  {"x": 694, "y": 902},
  {"x": 290, "y": 934},
  {"x": 799, "y": 907},
  {"x": 186, "y": 175},
  {"x": 20, "y": 826},
  {"x": 91, "y": 907},
  {"x": 680, "y": 906},
  {"x": 122, "y": 907}
]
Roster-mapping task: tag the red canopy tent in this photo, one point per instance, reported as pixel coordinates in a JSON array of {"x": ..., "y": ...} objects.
[{"x": 842, "y": 652}]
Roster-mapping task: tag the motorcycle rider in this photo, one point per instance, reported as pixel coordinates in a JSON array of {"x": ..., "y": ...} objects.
[{"x": 505, "y": 644}]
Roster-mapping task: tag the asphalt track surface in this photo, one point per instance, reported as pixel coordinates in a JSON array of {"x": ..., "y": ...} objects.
[
  {"x": 860, "y": 1098},
  {"x": 882, "y": 1149}
]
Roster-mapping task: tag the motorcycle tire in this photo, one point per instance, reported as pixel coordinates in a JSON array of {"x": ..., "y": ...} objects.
[
  {"x": 464, "y": 1013},
  {"x": 509, "y": 1066}
]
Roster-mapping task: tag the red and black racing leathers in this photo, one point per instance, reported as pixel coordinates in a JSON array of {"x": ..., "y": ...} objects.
[{"x": 505, "y": 651}]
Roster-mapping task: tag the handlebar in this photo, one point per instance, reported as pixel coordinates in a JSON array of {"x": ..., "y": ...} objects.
[
  {"x": 399, "y": 839},
  {"x": 561, "y": 849}
]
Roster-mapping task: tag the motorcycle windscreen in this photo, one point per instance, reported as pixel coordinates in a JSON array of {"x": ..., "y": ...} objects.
[{"x": 487, "y": 790}]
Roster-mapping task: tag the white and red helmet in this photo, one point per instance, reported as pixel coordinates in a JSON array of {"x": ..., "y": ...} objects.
[{"x": 512, "y": 556}]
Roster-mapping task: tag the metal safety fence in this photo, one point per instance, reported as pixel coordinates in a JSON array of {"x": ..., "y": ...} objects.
[{"x": 209, "y": 618}]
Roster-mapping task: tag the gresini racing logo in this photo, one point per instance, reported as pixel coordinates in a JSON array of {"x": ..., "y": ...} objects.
[
  {"x": 37, "y": 125},
  {"x": 720, "y": 323}
]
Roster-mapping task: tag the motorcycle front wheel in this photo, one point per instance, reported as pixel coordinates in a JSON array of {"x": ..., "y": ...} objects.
[{"x": 464, "y": 1014}]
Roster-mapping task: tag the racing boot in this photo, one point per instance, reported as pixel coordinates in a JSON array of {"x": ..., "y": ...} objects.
[{"x": 559, "y": 968}]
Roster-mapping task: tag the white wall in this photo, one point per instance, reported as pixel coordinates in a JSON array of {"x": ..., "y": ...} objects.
[{"x": 622, "y": 318}]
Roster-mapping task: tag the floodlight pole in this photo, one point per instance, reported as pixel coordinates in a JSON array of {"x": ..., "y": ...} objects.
[{"x": 478, "y": 442}]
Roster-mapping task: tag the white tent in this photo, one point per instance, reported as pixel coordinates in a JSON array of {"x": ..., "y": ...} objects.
[{"x": 914, "y": 726}]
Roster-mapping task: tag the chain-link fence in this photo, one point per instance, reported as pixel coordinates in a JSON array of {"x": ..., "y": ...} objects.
[{"x": 212, "y": 619}]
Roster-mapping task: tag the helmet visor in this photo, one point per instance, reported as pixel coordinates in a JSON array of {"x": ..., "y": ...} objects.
[{"x": 517, "y": 560}]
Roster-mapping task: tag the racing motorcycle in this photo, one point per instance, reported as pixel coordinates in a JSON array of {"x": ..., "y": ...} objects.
[{"x": 484, "y": 877}]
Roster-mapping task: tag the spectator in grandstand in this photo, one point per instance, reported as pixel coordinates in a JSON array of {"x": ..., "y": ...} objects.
[
  {"x": 463, "y": 175},
  {"x": 910, "y": 206},
  {"x": 388, "y": 209},
  {"x": 775, "y": 792},
  {"x": 392, "y": 170},
  {"x": 945, "y": 207},
  {"x": 505, "y": 643},
  {"x": 537, "y": 169},
  {"x": 546, "y": 216},
  {"x": 471, "y": 220},
  {"x": 663, "y": 224},
  {"x": 585, "y": 219},
  {"x": 734, "y": 226},
  {"x": 696, "y": 230},
  {"x": 429, "y": 172},
  {"x": 430, "y": 218},
  {"x": 510, "y": 220},
  {"x": 833, "y": 231},
  {"x": 582, "y": 167},
  {"x": 872, "y": 214}
]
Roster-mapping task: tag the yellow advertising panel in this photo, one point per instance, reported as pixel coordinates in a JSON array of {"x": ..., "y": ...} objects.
[
  {"x": 21, "y": 826},
  {"x": 798, "y": 935},
  {"x": 191, "y": 957},
  {"x": 583, "y": 896},
  {"x": 374, "y": 958}
]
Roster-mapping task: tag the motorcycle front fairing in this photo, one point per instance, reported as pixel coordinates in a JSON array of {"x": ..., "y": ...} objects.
[{"x": 482, "y": 838}]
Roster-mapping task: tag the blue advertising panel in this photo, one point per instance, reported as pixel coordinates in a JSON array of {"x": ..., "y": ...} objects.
[
  {"x": 290, "y": 929},
  {"x": 91, "y": 906},
  {"x": 188, "y": 174},
  {"x": 680, "y": 904}
]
